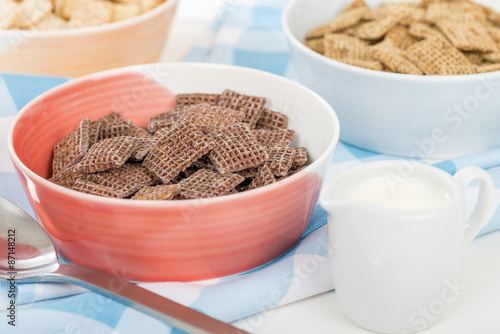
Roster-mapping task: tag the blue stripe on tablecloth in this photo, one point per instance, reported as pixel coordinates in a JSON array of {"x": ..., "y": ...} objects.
[
  {"x": 90, "y": 305},
  {"x": 11, "y": 190},
  {"x": 273, "y": 62},
  {"x": 25, "y": 88},
  {"x": 266, "y": 18},
  {"x": 8, "y": 107}
]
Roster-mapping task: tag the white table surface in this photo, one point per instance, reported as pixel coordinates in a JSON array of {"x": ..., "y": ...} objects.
[{"x": 476, "y": 310}]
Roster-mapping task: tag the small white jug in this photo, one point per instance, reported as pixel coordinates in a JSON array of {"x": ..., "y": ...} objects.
[{"x": 396, "y": 236}]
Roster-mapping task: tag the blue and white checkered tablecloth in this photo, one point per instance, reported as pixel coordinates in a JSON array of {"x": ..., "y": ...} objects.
[{"x": 245, "y": 33}]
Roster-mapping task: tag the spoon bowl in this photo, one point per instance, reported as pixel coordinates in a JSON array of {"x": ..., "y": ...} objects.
[{"x": 31, "y": 252}]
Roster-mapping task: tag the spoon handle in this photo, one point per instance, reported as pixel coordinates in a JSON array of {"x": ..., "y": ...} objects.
[{"x": 127, "y": 293}]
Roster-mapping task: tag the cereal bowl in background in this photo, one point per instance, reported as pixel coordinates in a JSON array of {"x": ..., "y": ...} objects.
[
  {"x": 399, "y": 114},
  {"x": 181, "y": 240},
  {"x": 75, "y": 52}
]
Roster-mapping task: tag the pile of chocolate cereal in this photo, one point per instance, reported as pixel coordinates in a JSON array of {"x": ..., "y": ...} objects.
[
  {"x": 209, "y": 145},
  {"x": 433, "y": 37}
]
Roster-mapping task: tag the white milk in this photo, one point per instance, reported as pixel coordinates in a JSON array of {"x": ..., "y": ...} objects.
[{"x": 405, "y": 194}]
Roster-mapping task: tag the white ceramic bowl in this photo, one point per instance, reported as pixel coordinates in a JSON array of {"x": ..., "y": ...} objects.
[
  {"x": 406, "y": 115},
  {"x": 76, "y": 52}
]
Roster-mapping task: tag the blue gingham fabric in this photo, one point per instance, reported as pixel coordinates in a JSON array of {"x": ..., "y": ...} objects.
[{"x": 245, "y": 33}]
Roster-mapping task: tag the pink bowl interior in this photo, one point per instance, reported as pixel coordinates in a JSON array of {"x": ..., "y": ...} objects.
[{"x": 149, "y": 241}]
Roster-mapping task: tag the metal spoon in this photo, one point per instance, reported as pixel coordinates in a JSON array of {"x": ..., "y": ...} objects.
[{"x": 28, "y": 255}]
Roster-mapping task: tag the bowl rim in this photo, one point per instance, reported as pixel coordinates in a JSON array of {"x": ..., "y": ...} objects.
[
  {"x": 106, "y": 27},
  {"x": 441, "y": 79},
  {"x": 21, "y": 167}
]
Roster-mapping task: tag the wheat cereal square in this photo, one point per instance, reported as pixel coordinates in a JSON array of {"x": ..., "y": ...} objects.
[
  {"x": 342, "y": 46},
  {"x": 384, "y": 18},
  {"x": 316, "y": 44},
  {"x": 469, "y": 36},
  {"x": 460, "y": 12},
  {"x": 35, "y": 11},
  {"x": 416, "y": 15},
  {"x": 393, "y": 58},
  {"x": 400, "y": 37},
  {"x": 436, "y": 57},
  {"x": 493, "y": 57},
  {"x": 488, "y": 68},
  {"x": 11, "y": 13},
  {"x": 344, "y": 20}
]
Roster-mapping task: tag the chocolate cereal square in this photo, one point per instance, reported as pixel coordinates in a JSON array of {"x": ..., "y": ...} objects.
[
  {"x": 107, "y": 154},
  {"x": 271, "y": 120},
  {"x": 196, "y": 98},
  {"x": 236, "y": 149},
  {"x": 95, "y": 130},
  {"x": 140, "y": 132},
  {"x": 72, "y": 149},
  {"x": 126, "y": 180},
  {"x": 209, "y": 118},
  {"x": 165, "y": 120},
  {"x": 252, "y": 106},
  {"x": 280, "y": 160},
  {"x": 143, "y": 147},
  {"x": 158, "y": 193},
  {"x": 273, "y": 138},
  {"x": 250, "y": 173},
  {"x": 67, "y": 178},
  {"x": 205, "y": 183},
  {"x": 116, "y": 129},
  {"x": 263, "y": 178},
  {"x": 92, "y": 188},
  {"x": 177, "y": 150},
  {"x": 204, "y": 163},
  {"x": 300, "y": 158}
]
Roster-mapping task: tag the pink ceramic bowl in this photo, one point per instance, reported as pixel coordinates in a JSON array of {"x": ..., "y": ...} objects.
[{"x": 170, "y": 240}]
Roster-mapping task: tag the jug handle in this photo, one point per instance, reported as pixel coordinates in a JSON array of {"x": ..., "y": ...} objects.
[{"x": 480, "y": 213}]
